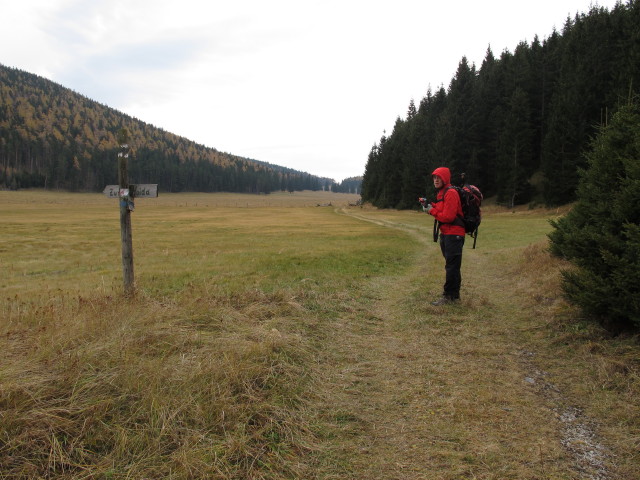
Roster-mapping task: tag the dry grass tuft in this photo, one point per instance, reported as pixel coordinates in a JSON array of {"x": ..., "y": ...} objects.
[{"x": 139, "y": 389}]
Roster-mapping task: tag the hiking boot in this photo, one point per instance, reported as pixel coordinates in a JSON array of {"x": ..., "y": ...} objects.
[{"x": 444, "y": 300}]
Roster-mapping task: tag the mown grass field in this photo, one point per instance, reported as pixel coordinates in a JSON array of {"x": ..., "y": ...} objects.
[{"x": 280, "y": 337}]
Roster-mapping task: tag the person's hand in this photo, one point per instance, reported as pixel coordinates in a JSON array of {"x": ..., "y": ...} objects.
[{"x": 428, "y": 208}]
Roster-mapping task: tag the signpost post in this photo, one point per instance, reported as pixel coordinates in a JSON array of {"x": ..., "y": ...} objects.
[
  {"x": 126, "y": 206},
  {"x": 126, "y": 193}
]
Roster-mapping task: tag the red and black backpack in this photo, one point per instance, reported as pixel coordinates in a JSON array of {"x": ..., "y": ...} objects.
[{"x": 470, "y": 199}]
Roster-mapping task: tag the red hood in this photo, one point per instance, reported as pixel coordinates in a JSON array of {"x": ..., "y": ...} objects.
[{"x": 444, "y": 174}]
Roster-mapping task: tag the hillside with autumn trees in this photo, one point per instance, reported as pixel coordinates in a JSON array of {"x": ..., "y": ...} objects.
[
  {"x": 52, "y": 137},
  {"x": 520, "y": 124}
]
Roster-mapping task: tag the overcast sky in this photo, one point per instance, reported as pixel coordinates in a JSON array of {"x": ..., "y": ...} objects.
[{"x": 305, "y": 84}]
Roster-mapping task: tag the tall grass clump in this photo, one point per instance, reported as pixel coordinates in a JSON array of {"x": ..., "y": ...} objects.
[{"x": 140, "y": 389}]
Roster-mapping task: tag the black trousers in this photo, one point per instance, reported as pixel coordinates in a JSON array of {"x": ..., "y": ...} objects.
[{"x": 451, "y": 246}]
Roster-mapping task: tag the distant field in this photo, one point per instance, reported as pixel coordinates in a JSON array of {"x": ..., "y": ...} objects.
[
  {"x": 232, "y": 200},
  {"x": 68, "y": 242}
]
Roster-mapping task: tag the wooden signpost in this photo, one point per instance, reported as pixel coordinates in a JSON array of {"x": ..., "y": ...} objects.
[{"x": 127, "y": 193}]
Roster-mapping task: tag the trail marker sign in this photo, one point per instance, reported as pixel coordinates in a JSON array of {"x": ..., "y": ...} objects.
[{"x": 139, "y": 191}]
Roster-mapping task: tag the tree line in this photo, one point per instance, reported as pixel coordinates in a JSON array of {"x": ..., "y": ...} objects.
[
  {"x": 519, "y": 125},
  {"x": 52, "y": 137},
  {"x": 348, "y": 185}
]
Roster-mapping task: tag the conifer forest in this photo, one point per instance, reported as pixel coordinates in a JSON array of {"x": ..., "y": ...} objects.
[
  {"x": 52, "y": 137},
  {"x": 518, "y": 126}
]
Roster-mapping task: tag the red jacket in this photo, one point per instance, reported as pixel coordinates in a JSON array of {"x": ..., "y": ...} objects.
[{"x": 447, "y": 207}]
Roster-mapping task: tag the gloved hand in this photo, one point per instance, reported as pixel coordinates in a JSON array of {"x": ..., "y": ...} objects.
[{"x": 428, "y": 208}]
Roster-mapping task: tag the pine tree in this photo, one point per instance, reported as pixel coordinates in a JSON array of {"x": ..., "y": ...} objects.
[
  {"x": 371, "y": 181},
  {"x": 411, "y": 111},
  {"x": 461, "y": 118},
  {"x": 515, "y": 153},
  {"x": 489, "y": 104},
  {"x": 601, "y": 234}
]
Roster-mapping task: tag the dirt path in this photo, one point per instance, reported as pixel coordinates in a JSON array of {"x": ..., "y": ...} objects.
[{"x": 410, "y": 391}]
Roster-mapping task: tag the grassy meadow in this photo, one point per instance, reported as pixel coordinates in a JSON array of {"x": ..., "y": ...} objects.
[{"x": 290, "y": 336}]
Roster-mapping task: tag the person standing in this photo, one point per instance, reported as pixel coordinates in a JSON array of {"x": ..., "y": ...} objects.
[{"x": 447, "y": 210}]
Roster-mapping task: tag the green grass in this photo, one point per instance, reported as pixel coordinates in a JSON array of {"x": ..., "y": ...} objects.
[{"x": 72, "y": 245}]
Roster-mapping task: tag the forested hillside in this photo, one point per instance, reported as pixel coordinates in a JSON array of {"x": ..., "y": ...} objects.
[
  {"x": 53, "y": 137},
  {"x": 518, "y": 125}
]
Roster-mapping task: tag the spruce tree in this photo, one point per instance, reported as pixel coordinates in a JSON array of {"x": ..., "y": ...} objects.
[
  {"x": 515, "y": 152},
  {"x": 601, "y": 234}
]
